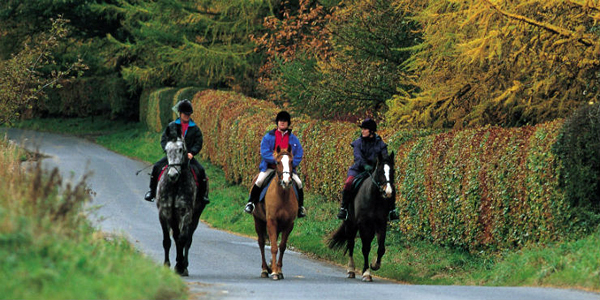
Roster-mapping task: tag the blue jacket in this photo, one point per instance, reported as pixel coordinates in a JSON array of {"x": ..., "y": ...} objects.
[
  {"x": 366, "y": 152},
  {"x": 267, "y": 147}
]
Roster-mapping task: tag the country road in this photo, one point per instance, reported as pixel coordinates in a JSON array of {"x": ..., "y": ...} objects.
[{"x": 224, "y": 265}]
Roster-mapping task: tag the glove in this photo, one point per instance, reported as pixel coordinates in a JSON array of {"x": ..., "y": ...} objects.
[{"x": 368, "y": 168}]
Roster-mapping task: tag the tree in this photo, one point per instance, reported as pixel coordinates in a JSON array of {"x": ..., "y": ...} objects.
[
  {"x": 506, "y": 63},
  {"x": 337, "y": 61},
  {"x": 26, "y": 75},
  {"x": 179, "y": 43}
]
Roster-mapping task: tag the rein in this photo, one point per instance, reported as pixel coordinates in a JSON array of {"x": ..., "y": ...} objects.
[{"x": 379, "y": 185}]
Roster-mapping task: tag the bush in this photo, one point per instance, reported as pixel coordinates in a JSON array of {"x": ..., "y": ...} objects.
[{"x": 578, "y": 148}]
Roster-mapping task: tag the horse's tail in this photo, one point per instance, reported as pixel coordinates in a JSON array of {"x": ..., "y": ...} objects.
[{"x": 340, "y": 237}]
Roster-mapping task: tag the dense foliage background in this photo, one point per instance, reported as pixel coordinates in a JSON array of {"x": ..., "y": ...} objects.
[{"x": 477, "y": 97}]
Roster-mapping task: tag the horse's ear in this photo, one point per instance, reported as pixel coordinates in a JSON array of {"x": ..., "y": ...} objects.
[
  {"x": 278, "y": 149},
  {"x": 392, "y": 156},
  {"x": 289, "y": 149}
]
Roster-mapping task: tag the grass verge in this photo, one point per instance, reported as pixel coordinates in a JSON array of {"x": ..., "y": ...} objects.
[{"x": 572, "y": 264}]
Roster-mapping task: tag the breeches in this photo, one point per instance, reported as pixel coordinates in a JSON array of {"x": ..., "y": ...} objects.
[{"x": 263, "y": 175}]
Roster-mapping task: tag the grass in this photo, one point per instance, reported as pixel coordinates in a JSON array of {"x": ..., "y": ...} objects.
[
  {"x": 569, "y": 264},
  {"x": 49, "y": 250}
]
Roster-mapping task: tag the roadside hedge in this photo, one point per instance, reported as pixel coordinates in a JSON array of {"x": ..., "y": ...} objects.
[{"x": 489, "y": 188}]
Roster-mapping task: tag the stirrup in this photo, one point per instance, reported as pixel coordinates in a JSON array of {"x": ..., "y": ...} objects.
[
  {"x": 249, "y": 207},
  {"x": 343, "y": 214},
  {"x": 149, "y": 196},
  {"x": 301, "y": 212}
]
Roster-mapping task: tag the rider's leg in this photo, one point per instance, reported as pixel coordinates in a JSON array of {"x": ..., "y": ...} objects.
[
  {"x": 301, "y": 209},
  {"x": 151, "y": 194},
  {"x": 255, "y": 191},
  {"x": 202, "y": 180},
  {"x": 346, "y": 198},
  {"x": 393, "y": 214}
]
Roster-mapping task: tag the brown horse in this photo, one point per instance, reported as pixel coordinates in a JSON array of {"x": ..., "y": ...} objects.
[{"x": 277, "y": 213}]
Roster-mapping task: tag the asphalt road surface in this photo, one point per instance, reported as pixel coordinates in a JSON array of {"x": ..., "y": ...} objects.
[{"x": 223, "y": 265}]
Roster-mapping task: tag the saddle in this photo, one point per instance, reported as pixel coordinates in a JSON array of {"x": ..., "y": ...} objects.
[
  {"x": 191, "y": 168},
  {"x": 357, "y": 182},
  {"x": 265, "y": 187}
]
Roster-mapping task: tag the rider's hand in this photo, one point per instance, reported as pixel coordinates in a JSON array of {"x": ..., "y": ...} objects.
[
  {"x": 368, "y": 168},
  {"x": 190, "y": 156}
]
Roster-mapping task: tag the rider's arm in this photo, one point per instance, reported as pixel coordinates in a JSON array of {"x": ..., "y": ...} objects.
[
  {"x": 266, "y": 149},
  {"x": 297, "y": 151},
  {"x": 196, "y": 142}
]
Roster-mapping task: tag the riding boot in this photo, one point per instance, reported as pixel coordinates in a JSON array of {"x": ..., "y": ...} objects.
[
  {"x": 204, "y": 184},
  {"x": 252, "y": 199},
  {"x": 153, "y": 183},
  {"x": 301, "y": 209},
  {"x": 393, "y": 215},
  {"x": 346, "y": 198}
]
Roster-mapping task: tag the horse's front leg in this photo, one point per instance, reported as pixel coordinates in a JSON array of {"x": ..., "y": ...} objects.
[
  {"x": 261, "y": 230},
  {"x": 272, "y": 231},
  {"x": 282, "y": 245},
  {"x": 375, "y": 265},
  {"x": 166, "y": 240},
  {"x": 366, "y": 240},
  {"x": 180, "y": 243}
]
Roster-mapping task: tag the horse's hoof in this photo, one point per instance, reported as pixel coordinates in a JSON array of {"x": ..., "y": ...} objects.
[
  {"x": 264, "y": 274},
  {"x": 185, "y": 273},
  {"x": 351, "y": 275},
  {"x": 375, "y": 267},
  {"x": 280, "y": 275},
  {"x": 275, "y": 276},
  {"x": 367, "y": 278}
]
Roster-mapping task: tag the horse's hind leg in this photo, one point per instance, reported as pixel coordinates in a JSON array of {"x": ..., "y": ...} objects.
[
  {"x": 166, "y": 241},
  {"x": 351, "y": 269},
  {"x": 375, "y": 265}
]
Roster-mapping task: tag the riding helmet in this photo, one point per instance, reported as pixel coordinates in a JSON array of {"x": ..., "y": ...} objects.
[
  {"x": 368, "y": 123},
  {"x": 185, "y": 107},
  {"x": 283, "y": 116}
]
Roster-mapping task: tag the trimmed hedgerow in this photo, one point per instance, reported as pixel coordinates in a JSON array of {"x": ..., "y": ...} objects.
[{"x": 477, "y": 189}]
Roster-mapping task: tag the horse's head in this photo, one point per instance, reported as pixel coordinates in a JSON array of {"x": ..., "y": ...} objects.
[
  {"x": 284, "y": 160},
  {"x": 383, "y": 175},
  {"x": 176, "y": 157}
]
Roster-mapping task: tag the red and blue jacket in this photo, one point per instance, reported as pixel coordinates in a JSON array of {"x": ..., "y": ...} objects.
[{"x": 267, "y": 147}]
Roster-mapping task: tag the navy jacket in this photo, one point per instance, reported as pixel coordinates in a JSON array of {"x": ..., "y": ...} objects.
[
  {"x": 192, "y": 137},
  {"x": 366, "y": 151}
]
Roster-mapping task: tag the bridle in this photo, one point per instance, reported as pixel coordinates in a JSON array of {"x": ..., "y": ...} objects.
[
  {"x": 281, "y": 173},
  {"x": 381, "y": 184},
  {"x": 185, "y": 161}
]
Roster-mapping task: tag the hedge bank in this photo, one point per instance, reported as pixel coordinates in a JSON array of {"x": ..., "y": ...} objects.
[{"x": 486, "y": 188}]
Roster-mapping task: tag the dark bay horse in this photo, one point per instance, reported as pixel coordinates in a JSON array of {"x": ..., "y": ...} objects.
[
  {"x": 179, "y": 201},
  {"x": 277, "y": 213},
  {"x": 367, "y": 215}
]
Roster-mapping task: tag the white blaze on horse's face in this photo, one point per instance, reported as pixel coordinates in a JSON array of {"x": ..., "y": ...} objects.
[
  {"x": 388, "y": 186},
  {"x": 286, "y": 179}
]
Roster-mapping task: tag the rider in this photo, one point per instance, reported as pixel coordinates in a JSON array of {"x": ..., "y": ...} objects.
[
  {"x": 283, "y": 137},
  {"x": 366, "y": 150},
  {"x": 193, "y": 142}
]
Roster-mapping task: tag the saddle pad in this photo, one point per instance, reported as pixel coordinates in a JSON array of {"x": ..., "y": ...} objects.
[{"x": 268, "y": 181}]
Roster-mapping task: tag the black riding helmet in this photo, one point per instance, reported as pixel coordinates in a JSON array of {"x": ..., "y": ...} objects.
[
  {"x": 283, "y": 116},
  {"x": 185, "y": 107},
  {"x": 368, "y": 123}
]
